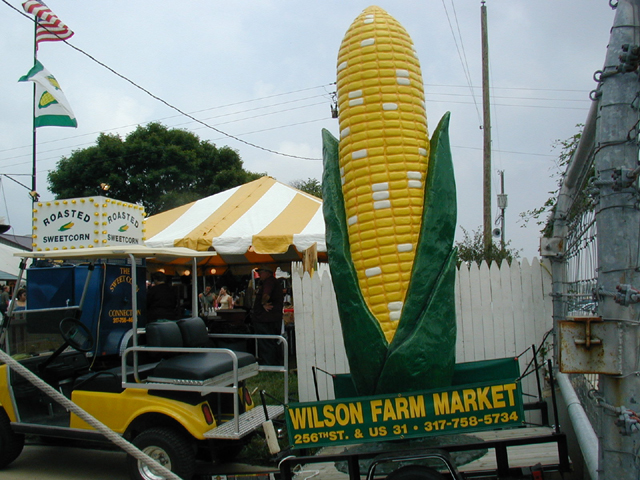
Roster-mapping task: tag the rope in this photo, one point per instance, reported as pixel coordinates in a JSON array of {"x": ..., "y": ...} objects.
[{"x": 69, "y": 405}]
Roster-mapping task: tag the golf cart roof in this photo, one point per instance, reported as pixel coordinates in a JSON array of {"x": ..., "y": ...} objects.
[{"x": 137, "y": 251}]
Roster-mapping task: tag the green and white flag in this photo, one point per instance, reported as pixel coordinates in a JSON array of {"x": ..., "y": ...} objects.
[{"x": 51, "y": 106}]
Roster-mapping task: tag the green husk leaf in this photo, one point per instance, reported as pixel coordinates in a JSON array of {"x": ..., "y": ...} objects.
[
  {"x": 422, "y": 353},
  {"x": 426, "y": 358},
  {"x": 365, "y": 343}
]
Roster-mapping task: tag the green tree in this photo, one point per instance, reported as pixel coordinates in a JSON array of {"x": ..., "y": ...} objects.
[
  {"x": 542, "y": 215},
  {"x": 310, "y": 186},
  {"x": 155, "y": 166},
  {"x": 471, "y": 249}
]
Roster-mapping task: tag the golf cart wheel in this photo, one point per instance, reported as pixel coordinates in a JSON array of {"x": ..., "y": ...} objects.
[
  {"x": 415, "y": 472},
  {"x": 11, "y": 444},
  {"x": 169, "y": 448}
]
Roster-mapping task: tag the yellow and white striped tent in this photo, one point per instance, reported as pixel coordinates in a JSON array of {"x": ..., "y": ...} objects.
[{"x": 263, "y": 221}]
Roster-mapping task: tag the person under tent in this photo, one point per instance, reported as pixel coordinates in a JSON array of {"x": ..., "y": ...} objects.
[
  {"x": 207, "y": 299},
  {"x": 162, "y": 302},
  {"x": 225, "y": 301},
  {"x": 266, "y": 315}
]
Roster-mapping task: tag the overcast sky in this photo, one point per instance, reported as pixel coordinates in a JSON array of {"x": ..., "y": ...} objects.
[{"x": 263, "y": 71}]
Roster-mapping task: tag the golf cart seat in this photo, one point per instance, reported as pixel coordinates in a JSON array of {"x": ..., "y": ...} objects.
[{"x": 195, "y": 368}]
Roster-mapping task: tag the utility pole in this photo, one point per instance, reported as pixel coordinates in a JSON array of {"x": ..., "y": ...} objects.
[
  {"x": 617, "y": 220},
  {"x": 486, "y": 128}
]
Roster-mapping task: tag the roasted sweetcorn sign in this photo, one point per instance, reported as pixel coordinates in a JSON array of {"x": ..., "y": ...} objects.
[{"x": 390, "y": 210}]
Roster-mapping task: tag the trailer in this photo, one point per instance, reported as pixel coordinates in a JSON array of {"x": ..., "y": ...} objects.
[{"x": 484, "y": 398}]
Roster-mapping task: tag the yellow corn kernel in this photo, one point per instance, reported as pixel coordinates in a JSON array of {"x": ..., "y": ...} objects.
[{"x": 384, "y": 151}]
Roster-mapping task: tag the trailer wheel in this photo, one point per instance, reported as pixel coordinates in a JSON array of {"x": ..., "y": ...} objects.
[
  {"x": 228, "y": 451},
  {"x": 11, "y": 443},
  {"x": 415, "y": 472},
  {"x": 169, "y": 448}
]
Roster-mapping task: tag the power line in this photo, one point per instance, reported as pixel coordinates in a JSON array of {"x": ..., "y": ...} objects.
[
  {"x": 512, "y": 105},
  {"x": 465, "y": 66},
  {"x": 279, "y": 111},
  {"x": 266, "y": 98},
  {"x": 429, "y": 96},
  {"x": 322, "y": 119},
  {"x": 176, "y": 116},
  {"x": 161, "y": 100},
  {"x": 271, "y": 128},
  {"x": 496, "y": 118},
  {"x": 508, "y": 88},
  {"x": 14, "y": 180},
  {"x": 42, "y": 160},
  {"x": 254, "y": 116},
  {"x": 174, "y": 126},
  {"x": 510, "y": 98},
  {"x": 462, "y": 56},
  {"x": 470, "y": 86},
  {"x": 286, "y": 126},
  {"x": 510, "y": 151}
]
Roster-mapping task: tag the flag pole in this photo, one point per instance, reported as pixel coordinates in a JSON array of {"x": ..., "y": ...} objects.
[{"x": 33, "y": 117}]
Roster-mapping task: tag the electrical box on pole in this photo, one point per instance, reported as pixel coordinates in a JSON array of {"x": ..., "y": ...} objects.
[{"x": 502, "y": 206}]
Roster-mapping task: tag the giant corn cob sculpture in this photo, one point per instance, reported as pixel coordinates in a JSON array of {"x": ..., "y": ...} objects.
[{"x": 389, "y": 206}]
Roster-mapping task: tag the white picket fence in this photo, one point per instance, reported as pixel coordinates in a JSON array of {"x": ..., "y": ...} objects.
[{"x": 501, "y": 311}]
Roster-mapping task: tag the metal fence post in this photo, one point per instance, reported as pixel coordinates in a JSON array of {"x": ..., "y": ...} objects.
[{"x": 618, "y": 226}]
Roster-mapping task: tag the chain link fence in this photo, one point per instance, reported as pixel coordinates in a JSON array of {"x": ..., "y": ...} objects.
[{"x": 574, "y": 250}]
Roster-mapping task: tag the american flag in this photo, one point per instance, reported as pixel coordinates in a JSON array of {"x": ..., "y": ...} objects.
[{"x": 50, "y": 28}]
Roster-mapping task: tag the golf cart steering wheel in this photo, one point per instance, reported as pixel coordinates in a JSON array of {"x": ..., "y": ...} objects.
[{"x": 76, "y": 334}]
